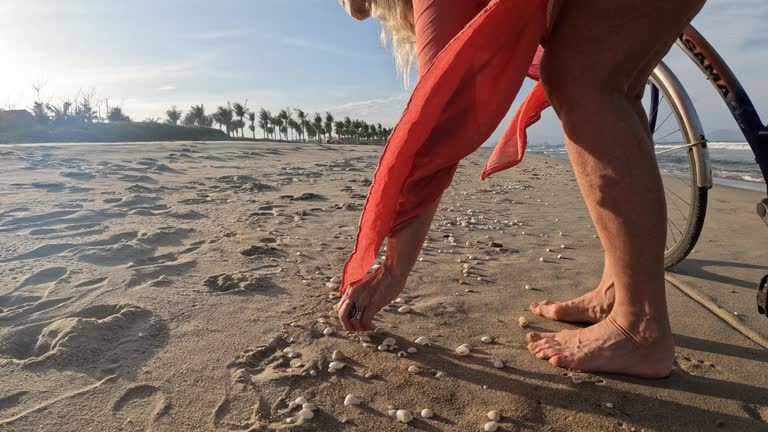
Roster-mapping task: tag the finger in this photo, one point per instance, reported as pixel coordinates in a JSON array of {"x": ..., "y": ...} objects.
[
  {"x": 367, "y": 321},
  {"x": 357, "y": 325},
  {"x": 344, "y": 314}
]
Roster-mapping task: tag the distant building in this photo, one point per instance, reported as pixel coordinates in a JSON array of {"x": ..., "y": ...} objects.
[{"x": 16, "y": 119}]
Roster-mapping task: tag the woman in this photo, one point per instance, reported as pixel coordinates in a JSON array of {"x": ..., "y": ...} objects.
[{"x": 598, "y": 55}]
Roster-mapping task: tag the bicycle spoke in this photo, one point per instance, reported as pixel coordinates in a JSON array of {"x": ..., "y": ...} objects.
[
  {"x": 665, "y": 120},
  {"x": 674, "y": 131}
]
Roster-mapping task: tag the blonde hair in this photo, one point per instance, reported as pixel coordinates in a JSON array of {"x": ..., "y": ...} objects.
[{"x": 397, "y": 24}]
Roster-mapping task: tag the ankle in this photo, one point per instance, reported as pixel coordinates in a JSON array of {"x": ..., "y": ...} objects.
[{"x": 644, "y": 328}]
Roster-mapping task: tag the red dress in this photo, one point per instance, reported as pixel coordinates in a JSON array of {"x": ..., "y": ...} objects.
[{"x": 457, "y": 104}]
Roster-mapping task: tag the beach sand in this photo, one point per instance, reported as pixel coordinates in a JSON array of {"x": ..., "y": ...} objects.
[{"x": 156, "y": 287}]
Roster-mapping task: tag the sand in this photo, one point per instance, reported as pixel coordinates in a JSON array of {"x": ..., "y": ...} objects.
[{"x": 155, "y": 287}]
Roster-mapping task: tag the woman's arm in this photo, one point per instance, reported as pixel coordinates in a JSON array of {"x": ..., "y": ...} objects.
[
  {"x": 358, "y": 9},
  {"x": 404, "y": 247}
]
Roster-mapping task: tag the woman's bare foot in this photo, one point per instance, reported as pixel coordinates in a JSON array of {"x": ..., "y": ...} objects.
[
  {"x": 592, "y": 307},
  {"x": 646, "y": 351}
]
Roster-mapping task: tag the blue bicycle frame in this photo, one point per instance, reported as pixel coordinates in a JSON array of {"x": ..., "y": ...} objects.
[{"x": 732, "y": 92}]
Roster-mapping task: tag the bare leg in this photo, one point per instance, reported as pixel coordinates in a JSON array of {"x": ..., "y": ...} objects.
[{"x": 593, "y": 81}]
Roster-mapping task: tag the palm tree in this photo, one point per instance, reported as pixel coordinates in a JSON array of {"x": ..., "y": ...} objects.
[
  {"x": 317, "y": 123},
  {"x": 340, "y": 129},
  {"x": 328, "y": 124},
  {"x": 223, "y": 117},
  {"x": 295, "y": 126},
  {"x": 311, "y": 131},
  {"x": 265, "y": 119},
  {"x": 252, "y": 120},
  {"x": 237, "y": 124},
  {"x": 302, "y": 116},
  {"x": 173, "y": 115},
  {"x": 240, "y": 111},
  {"x": 116, "y": 114}
]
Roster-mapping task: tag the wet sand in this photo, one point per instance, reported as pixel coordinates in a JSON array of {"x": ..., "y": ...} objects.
[{"x": 157, "y": 286}]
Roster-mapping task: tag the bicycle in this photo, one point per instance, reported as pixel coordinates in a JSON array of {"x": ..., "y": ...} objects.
[{"x": 688, "y": 174}]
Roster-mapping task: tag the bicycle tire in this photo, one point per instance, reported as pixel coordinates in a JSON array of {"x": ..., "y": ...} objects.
[{"x": 682, "y": 246}]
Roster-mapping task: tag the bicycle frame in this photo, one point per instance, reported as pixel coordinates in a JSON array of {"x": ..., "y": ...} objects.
[{"x": 730, "y": 89}]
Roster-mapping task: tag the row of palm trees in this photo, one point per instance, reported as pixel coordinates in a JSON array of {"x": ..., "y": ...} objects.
[{"x": 234, "y": 118}]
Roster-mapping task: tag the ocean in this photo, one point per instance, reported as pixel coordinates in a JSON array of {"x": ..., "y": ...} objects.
[{"x": 733, "y": 163}]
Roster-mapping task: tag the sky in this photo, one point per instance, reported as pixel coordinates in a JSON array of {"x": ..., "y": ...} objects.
[{"x": 146, "y": 55}]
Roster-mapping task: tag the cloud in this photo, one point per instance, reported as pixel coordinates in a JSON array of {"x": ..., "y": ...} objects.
[
  {"x": 216, "y": 35},
  {"x": 315, "y": 45},
  {"x": 385, "y": 110},
  {"x": 166, "y": 88}
]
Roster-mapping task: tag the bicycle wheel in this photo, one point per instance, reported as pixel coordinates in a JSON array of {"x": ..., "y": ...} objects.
[{"x": 674, "y": 142}]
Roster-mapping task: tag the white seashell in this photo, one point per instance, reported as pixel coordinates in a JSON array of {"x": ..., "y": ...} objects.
[
  {"x": 498, "y": 364},
  {"x": 527, "y": 287},
  {"x": 559, "y": 257},
  {"x": 404, "y": 309},
  {"x": 336, "y": 365},
  {"x": 609, "y": 405},
  {"x": 351, "y": 400},
  {"x": 523, "y": 233},
  {"x": 289, "y": 350},
  {"x": 332, "y": 370},
  {"x": 338, "y": 355},
  {"x": 392, "y": 412},
  {"x": 403, "y": 416},
  {"x": 370, "y": 375},
  {"x": 368, "y": 345},
  {"x": 491, "y": 426},
  {"x": 292, "y": 405},
  {"x": 306, "y": 414},
  {"x": 402, "y": 354},
  {"x": 399, "y": 300},
  {"x": 562, "y": 246},
  {"x": 335, "y": 279},
  {"x": 293, "y": 354},
  {"x": 412, "y": 350},
  {"x": 309, "y": 406},
  {"x": 313, "y": 373},
  {"x": 389, "y": 341},
  {"x": 427, "y": 413},
  {"x": 414, "y": 369},
  {"x": 328, "y": 331},
  {"x": 486, "y": 339},
  {"x": 463, "y": 349},
  {"x": 494, "y": 415},
  {"x": 549, "y": 250},
  {"x": 577, "y": 380},
  {"x": 561, "y": 233},
  {"x": 423, "y": 341},
  {"x": 541, "y": 259},
  {"x": 365, "y": 338},
  {"x": 383, "y": 347},
  {"x": 522, "y": 322},
  {"x": 296, "y": 363}
]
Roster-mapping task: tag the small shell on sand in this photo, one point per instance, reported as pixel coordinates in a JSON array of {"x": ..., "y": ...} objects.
[
  {"x": 609, "y": 405},
  {"x": 422, "y": 340},
  {"x": 562, "y": 246},
  {"x": 370, "y": 375},
  {"x": 463, "y": 349},
  {"x": 427, "y": 413},
  {"x": 414, "y": 369},
  {"x": 404, "y": 309},
  {"x": 559, "y": 257},
  {"x": 402, "y": 354},
  {"x": 498, "y": 364},
  {"x": 412, "y": 350},
  {"x": 313, "y": 373},
  {"x": 365, "y": 338},
  {"x": 306, "y": 414},
  {"x": 392, "y": 412},
  {"x": 486, "y": 339},
  {"x": 389, "y": 341},
  {"x": 336, "y": 365},
  {"x": 383, "y": 347},
  {"x": 293, "y": 354},
  {"x": 522, "y": 322},
  {"x": 541, "y": 259},
  {"x": 399, "y": 300},
  {"x": 491, "y": 426},
  {"x": 296, "y": 363},
  {"x": 328, "y": 331},
  {"x": 351, "y": 400},
  {"x": 309, "y": 406},
  {"x": 338, "y": 355},
  {"x": 549, "y": 250},
  {"x": 494, "y": 415},
  {"x": 379, "y": 330},
  {"x": 403, "y": 416},
  {"x": 301, "y": 400}
]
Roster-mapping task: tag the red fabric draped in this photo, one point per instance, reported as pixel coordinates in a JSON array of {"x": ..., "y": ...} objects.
[{"x": 457, "y": 104}]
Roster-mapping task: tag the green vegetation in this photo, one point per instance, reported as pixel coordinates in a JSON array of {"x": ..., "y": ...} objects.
[{"x": 79, "y": 120}]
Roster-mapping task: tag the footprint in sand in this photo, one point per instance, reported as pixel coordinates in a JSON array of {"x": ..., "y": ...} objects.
[
  {"x": 226, "y": 282},
  {"x": 142, "y": 403},
  {"x": 96, "y": 336}
]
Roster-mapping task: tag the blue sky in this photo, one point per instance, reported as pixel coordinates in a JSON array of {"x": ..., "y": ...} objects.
[{"x": 147, "y": 55}]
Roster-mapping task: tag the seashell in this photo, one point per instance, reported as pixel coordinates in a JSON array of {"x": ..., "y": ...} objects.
[
  {"x": 379, "y": 330},
  {"x": 292, "y": 405},
  {"x": 423, "y": 341},
  {"x": 306, "y": 414},
  {"x": 482, "y": 279},
  {"x": 609, "y": 405},
  {"x": 328, "y": 331},
  {"x": 549, "y": 250},
  {"x": 541, "y": 259},
  {"x": 562, "y": 246},
  {"x": 498, "y": 364},
  {"x": 351, "y": 400},
  {"x": 403, "y": 416},
  {"x": 313, "y": 373},
  {"x": 309, "y": 406},
  {"x": 486, "y": 339},
  {"x": 522, "y": 322},
  {"x": 338, "y": 355},
  {"x": 412, "y": 350},
  {"x": 365, "y": 338},
  {"x": 427, "y": 413},
  {"x": 383, "y": 347},
  {"x": 561, "y": 233},
  {"x": 439, "y": 374},
  {"x": 523, "y": 233},
  {"x": 370, "y": 375},
  {"x": 295, "y": 363},
  {"x": 494, "y": 415},
  {"x": 463, "y": 349},
  {"x": 392, "y": 412},
  {"x": 332, "y": 370},
  {"x": 389, "y": 341},
  {"x": 368, "y": 345},
  {"x": 336, "y": 365},
  {"x": 404, "y": 309},
  {"x": 559, "y": 257},
  {"x": 577, "y": 380},
  {"x": 402, "y": 354},
  {"x": 527, "y": 287},
  {"x": 491, "y": 426},
  {"x": 293, "y": 354},
  {"x": 335, "y": 279},
  {"x": 289, "y": 350},
  {"x": 414, "y": 369},
  {"x": 399, "y": 300}
]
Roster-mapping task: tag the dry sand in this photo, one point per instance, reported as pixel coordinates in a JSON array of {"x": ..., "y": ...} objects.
[{"x": 155, "y": 286}]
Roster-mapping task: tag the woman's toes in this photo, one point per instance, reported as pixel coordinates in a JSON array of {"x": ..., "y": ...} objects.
[
  {"x": 536, "y": 308},
  {"x": 546, "y": 353},
  {"x": 560, "y": 360},
  {"x": 533, "y": 337}
]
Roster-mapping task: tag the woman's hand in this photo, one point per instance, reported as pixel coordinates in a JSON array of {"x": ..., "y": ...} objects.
[
  {"x": 358, "y": 9},
  {"x": 366, "y": 297}
]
